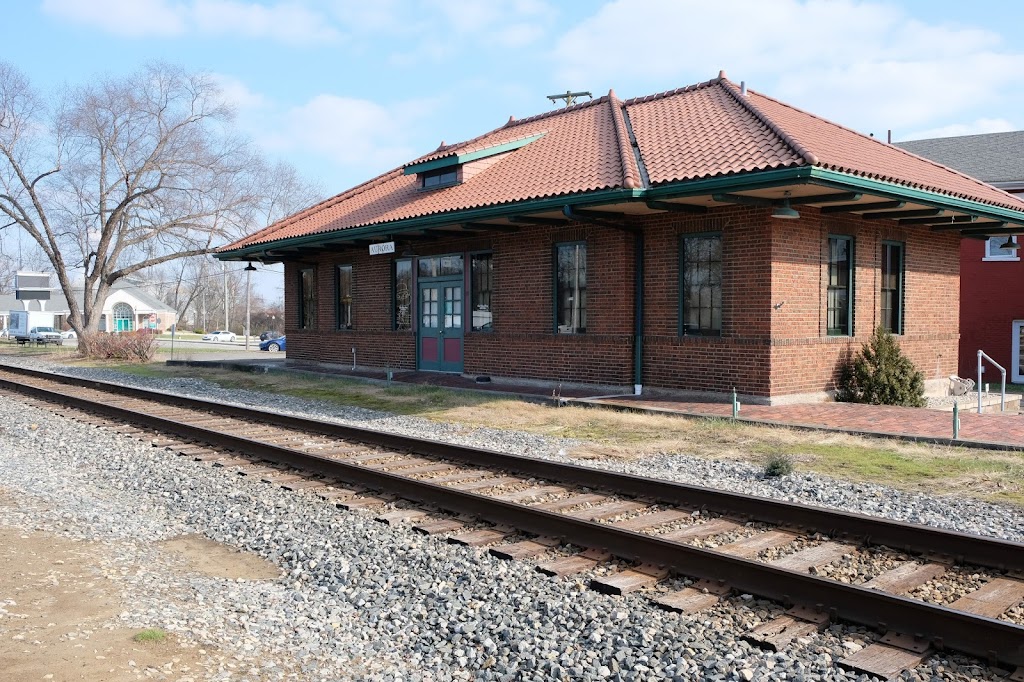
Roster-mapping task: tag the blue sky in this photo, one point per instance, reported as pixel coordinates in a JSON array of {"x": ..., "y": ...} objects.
[{"x": 345, "y": 90}]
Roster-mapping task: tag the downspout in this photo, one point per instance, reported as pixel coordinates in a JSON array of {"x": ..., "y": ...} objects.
[{"x": 638, "y": 312}]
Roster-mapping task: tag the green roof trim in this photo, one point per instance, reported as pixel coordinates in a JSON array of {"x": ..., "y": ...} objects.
[
  {"x": 459, "y": 159},
  {"x": 727, "y": 183}
]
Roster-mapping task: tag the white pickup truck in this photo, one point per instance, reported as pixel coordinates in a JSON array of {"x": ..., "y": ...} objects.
[{"x": 45, "y": 335}]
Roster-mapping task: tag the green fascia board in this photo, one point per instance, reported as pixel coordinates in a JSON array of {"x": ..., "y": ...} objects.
[
  {"x": 739, "y": 182},
  {"x": 894, "y": 191},
  {"x": 459, "y": 159},
  {"x": 607, "y": 196}
]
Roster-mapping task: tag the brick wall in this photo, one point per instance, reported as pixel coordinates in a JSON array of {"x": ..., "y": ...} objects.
[
  {"x": 990, "y": 303},
  {"x": 763, "y": 351}
]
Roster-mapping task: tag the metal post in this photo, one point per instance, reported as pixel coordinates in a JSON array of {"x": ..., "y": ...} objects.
[
  {"x": 227, "y": 323},
  {"x": 980, "y": 354},
  {"x": 956, "y": 421},
  {"x": 735, "y": 404},
  {"x": 248, "y": 284}
]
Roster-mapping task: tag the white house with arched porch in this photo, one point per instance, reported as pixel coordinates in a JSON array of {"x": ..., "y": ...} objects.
[{"x": 129, "y": 309}]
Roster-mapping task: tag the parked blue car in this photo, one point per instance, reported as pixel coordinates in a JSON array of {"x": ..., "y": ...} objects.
[{"x": 273, "y": 345}]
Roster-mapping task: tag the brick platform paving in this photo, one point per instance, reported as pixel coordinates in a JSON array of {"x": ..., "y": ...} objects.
[{"x": 984, "y": 430}]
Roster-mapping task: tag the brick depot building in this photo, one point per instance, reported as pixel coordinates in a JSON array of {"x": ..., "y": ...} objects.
[{"x": 699, "y": 240}]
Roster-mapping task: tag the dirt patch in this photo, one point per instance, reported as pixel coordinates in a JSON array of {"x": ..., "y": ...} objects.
[
  {"x": 217, "y": 560},
  {"x": 54, "y": 602}
]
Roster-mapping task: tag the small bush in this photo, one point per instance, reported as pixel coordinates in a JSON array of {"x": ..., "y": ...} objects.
[
  {"x": 139, "y": 346},
  {"x": 778, "y": 465},
  {"x": 881, "y": 375},
  {"x": 150, "y": 635}
]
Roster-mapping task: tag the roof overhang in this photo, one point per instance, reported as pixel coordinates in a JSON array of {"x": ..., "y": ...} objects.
[{"x": 830, "y": 191}]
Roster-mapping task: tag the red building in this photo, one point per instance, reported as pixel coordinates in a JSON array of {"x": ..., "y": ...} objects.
[
  {"x": 699, "y": 240},
  {"x": 991, "y": 271}
]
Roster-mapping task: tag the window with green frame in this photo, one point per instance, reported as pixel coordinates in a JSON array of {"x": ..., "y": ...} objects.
[
  {"x": 700, "y": 284},
  {"x": 343, "y": 305},
  {"x": 481, "y": 282},
  {"x": 892, "y": 286},
  {"x": 307, "y": 298},
  {"x": 401, "y": 294},
  {"x": 571, "y": 288},
  {"x": 840, "y": 286}
]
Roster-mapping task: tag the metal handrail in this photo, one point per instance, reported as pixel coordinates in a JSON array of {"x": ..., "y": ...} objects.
[{"x": 1002, "y": 395}]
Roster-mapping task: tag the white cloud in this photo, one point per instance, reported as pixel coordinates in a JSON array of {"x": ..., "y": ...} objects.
[
  {"x": 238, "y": 95},
  {"x": 863, "y": 63},
  {"x": 286, "y": 22},
  {"x": 131, "y": 18},
  {"x": 347, "y": 131},
  {"x": 979, "y": 127}
]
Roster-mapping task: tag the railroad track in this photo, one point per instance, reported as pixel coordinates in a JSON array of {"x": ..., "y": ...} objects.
[{"x": 686, "y": 546}]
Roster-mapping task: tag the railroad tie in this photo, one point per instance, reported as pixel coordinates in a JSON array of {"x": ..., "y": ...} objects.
[
  {"x": 701, "y": 530},
  {"x": 755, "y": 544},
  {"x": 571, "y": 501},
  {"x": 486, "y": 483},
  {"x": 647, "y": 521},
  {"x": 306, "y": 484},
  {"x": 427, "y": 469},
  {"x": 992, "y": 599},
  {"x": 607, "y": 510},
  {"x": 340, "y": 493},
  {"x": 629, "y": 580},
  {"x": 438, "y": 526},
  {"x": 368, "y": 502},
  {"x": 812, "y": 558},
  {"x": 905, "y": 577},
  {"x": 703, "y": 595},
  {"x": 530, "y": 493},
  {"x": 778, "y": 632},
  {"x": 525, "y": 549},
  {"x": 480, "y": 537},
  {"x": 888, "y": 657},
  {"x": 400, "y": 516},
  {"x": 460, "y": 476},
  {"x": 576, "y": 563}
]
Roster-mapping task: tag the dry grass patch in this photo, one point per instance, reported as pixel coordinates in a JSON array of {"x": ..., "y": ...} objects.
[{"x": 624, "y": 435}]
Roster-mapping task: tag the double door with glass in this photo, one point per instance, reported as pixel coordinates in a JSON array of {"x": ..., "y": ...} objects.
[{"x": 440, "y": 324}]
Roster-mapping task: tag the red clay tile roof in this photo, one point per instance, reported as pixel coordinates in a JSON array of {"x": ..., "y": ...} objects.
[{"x": 700, "y": 131}]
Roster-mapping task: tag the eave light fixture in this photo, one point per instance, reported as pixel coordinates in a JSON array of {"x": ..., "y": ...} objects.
[
  {"x": 785, "y": 211},
  {"x": 1011, "y": 243}
]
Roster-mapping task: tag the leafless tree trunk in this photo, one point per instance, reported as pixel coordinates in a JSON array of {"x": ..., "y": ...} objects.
[{"x": 124, "y": 174}]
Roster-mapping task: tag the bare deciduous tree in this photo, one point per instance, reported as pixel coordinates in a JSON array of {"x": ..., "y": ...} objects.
[{"x": 123, "y": 174}]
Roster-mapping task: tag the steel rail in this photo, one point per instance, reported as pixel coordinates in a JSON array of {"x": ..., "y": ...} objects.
[
  {"x": 1002, "y": 555},
  {"x": 989, "y": 639}
]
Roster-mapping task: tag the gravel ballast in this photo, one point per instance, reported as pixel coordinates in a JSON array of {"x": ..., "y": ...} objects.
[{"x": 361, "y": 600}]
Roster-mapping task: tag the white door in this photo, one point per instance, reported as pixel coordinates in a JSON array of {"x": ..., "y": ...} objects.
[{"x": 1016, "y": 357}]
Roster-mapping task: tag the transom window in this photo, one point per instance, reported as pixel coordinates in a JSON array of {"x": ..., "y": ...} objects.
[
  {"x": 439, "y": 178},
  {"x": 700, "y": 284},
  {"x": 892, "y": 287},
  {"x": 344, "y": 289},
  {"x": 307, "y": 298},
  {"x": 481, "y": 282},
  {"x": 994, "y": 249},
  {"x": 840, "y": 286},
  {"x": 571, "y": 288},
  {"x": 440, "y": 266}
]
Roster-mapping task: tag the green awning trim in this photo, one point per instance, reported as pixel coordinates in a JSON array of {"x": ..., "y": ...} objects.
[
  {"x": 459, "y": 159},
  {"x": 723, "y": 184}
]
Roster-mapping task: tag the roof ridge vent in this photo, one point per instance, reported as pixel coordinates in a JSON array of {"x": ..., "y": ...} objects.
[{"x": 743, "y": 88}]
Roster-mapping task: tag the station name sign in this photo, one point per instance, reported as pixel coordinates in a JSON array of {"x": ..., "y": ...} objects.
[{"x": 383, "y": 247}]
